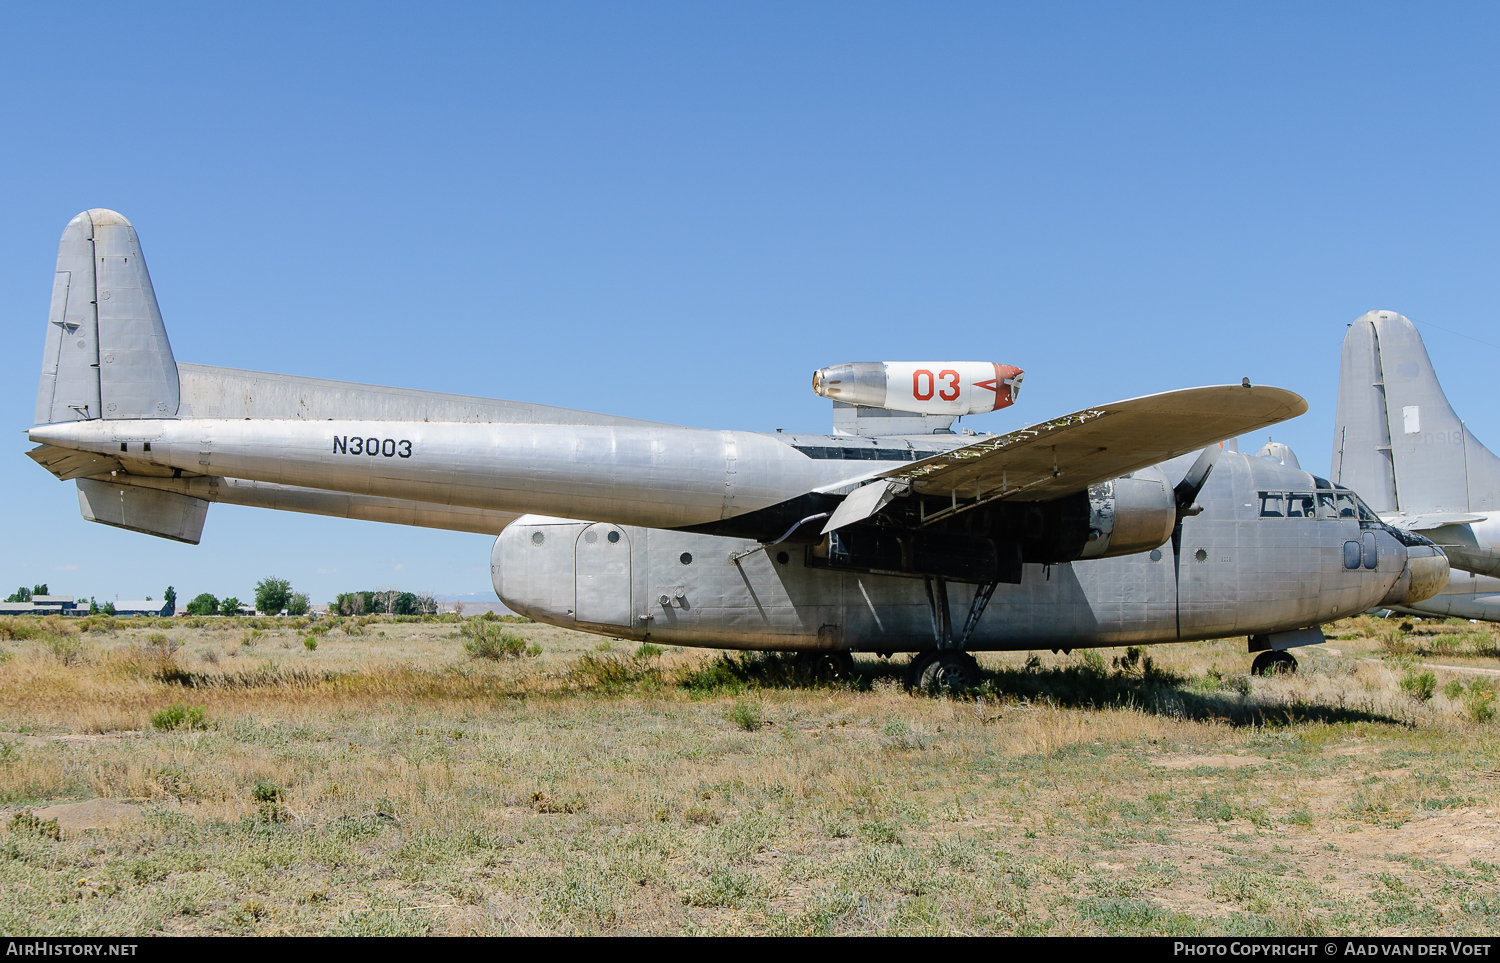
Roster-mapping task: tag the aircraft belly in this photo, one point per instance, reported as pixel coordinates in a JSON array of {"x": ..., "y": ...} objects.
[{"x": 685, "y": 588}]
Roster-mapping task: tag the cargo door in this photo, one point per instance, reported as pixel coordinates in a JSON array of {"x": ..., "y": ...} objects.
[{"x": 602, "y": 576}]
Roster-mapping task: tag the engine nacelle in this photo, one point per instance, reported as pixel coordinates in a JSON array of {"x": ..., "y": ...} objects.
[
  {"x": 931, "y": 388},
  {"x": 1129, "y": 515}
]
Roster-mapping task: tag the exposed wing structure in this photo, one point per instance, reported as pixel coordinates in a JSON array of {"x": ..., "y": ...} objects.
[{"x": 1070, "y": 453}]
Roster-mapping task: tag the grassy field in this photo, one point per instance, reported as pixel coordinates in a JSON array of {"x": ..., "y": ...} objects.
[{"x": 225, "y": 776}]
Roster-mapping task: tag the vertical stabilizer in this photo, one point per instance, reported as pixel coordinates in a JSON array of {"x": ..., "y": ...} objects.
[
  {"x": 69, "y": 389},
  {"x": 107, "y": 353},
  {"x": 137, "y": 375},
  {"x": 1397, "y": 441}
]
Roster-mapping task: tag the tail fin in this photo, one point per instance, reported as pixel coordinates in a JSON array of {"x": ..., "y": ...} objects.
[
  {"x": 1396, "y": 439},
  {"x": 107, "y": 354}
]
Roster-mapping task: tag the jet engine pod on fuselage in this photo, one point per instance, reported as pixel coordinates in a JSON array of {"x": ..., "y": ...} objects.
[{"x": 931, "y": 388}]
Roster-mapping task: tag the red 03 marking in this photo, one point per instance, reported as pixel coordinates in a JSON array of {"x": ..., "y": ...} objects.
[
  {"x": 921, "y": 392},
  {"x": 387, "y": 447}
]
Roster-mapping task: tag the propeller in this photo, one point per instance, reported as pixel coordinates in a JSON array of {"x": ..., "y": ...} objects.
[{"x": 1186, "y": 493}]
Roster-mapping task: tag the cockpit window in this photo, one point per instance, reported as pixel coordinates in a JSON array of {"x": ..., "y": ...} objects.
[{"x": 1331, "y": 505}]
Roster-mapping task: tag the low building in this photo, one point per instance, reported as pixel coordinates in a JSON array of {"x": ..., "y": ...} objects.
[
  {"x": 43, "y": 605},
  {"x": 143, "y": 607}
]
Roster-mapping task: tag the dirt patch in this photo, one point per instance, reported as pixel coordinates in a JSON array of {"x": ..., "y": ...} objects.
[
  {"x": 75, "y": 818},
  {"x": 1453, "y": 838},
  {"x": 29, "y": 739},
  {"x": 1209, "y": 762}
]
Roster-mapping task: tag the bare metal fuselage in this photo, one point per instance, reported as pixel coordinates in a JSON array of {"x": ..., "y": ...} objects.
[{"x": 1240, "y": 574}]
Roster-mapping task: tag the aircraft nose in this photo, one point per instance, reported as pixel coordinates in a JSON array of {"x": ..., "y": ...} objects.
[{"x": 1425, "y": 575}]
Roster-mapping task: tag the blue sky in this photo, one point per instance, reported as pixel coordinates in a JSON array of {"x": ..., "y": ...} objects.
[{"x": 678, "y": 211}]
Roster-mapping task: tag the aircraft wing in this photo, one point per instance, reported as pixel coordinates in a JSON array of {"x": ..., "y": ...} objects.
[
  {"x": 1068, "y": 454},
  {"x": 1431, "y": 521}
]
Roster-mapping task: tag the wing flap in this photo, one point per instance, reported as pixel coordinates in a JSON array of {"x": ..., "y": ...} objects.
[{"x": 861, "y": 504}]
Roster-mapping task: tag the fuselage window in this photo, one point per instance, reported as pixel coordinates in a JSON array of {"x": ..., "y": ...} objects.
[
  {"x": 1272, "y": 505},
  {"x": 1347, "y": 505},
  {"x": 1326, "y": 506}
]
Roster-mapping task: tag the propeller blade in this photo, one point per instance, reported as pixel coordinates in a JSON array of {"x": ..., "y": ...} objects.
[
  {"x": 1192, "y": 483},
  {"x": 1186, "y": 493}
]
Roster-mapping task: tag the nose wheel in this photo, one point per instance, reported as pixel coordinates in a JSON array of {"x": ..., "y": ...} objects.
[{"x": 1273, "y": 662}]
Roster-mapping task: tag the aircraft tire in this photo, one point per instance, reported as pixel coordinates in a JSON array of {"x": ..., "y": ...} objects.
[
  {"x": 944, "y": 672},
  {"x": 1273, "y": 663},
  {"x": 917, "y": 666},
  {"x": 825, "y": 666}
]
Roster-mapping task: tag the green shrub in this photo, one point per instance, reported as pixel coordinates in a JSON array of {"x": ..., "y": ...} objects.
[
  {"x": 310, "y": 643},
  {"x": 268, "y": 796},
  {"x": 28, "y": 822},
  {"x": 179, "y": 716},
  {"x": 1454, "y": 690},
  {"x": 67, "y": 649},
  {"x": 1419, "y": 685},
  {"x": 1479, "y": 700},
  {"x": 648, "y": 651},
  {"x": 747, "y": 716},
  {"x": 486, "y": 641},
  {"x": 265, "y": 791}
]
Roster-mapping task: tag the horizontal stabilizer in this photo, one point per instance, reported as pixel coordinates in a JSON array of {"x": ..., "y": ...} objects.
[
  {"x": 164, "y": 514},
  {"x": 1070, "y": 453},
  {"x": 68, "y": 463}
]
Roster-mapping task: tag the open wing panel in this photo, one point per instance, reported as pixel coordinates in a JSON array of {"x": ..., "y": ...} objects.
[{"x": 1068, "y": 454}]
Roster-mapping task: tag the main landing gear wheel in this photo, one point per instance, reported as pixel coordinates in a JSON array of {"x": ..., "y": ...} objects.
[
  {"x": 1273, "y": 663},
  {"x": 825, "y": 666},
  {"x": 943, "y": 671}
]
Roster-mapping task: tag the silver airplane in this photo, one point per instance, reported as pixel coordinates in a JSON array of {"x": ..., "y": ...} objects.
[
  {"x": 1397, "y": 440},
  {"x": 1125, "y": 523}
]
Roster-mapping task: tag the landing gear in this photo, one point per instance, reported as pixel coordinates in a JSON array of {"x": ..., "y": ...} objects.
[
  {"x": 825, "y": 666},
  {"x": 943, "y": 671},
  {"x": 948, "y": 668},
  {"x": 1273, "y": 662}
]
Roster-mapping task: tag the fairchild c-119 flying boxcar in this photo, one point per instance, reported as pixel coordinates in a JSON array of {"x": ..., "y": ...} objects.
[{"x": 1120, "y": 523}]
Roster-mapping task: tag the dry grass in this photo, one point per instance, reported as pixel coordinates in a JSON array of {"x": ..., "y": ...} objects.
[{"x": 385, "y": 782}]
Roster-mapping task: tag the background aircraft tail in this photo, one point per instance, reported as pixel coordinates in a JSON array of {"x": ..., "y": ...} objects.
[
  {"x": 107, "y": 354},
  {"x": 1396, "y": 440}
]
